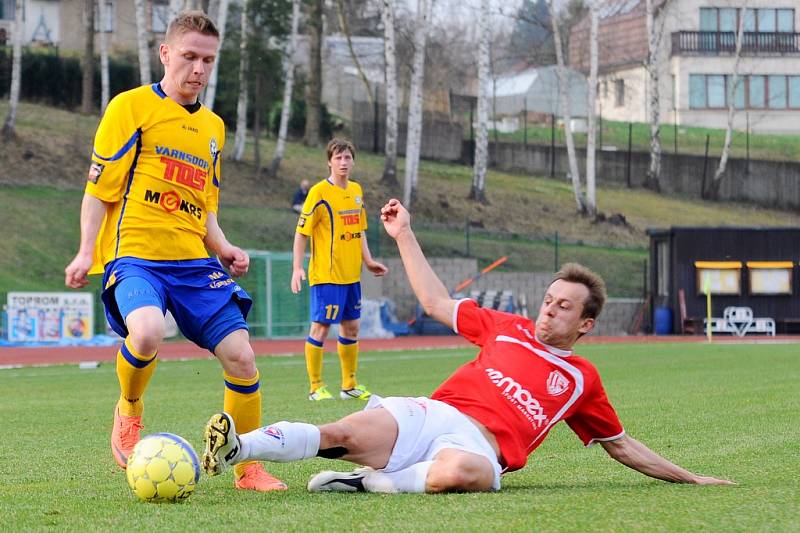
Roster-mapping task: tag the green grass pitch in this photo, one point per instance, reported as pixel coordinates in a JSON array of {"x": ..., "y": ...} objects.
[{"x": 728, "y": 410}]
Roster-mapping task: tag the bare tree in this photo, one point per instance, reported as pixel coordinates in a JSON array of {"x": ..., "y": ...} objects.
[
  {"x": 221, "y": 20},
  {"x": 591, "y": 196},
  {"x": 143, "y": 38},
  {"x": 346, "y": 30},
  {"x": 311, "y": 136},
  {"x": 390, "y": 63},
  {"x": 105, "y": 83},
  {"x": 241, "y": 104},
  {"x": 16, "y": 72},
  {"x": 175, "y": 7},
  {"x": 87, "y": 61},
  {"x": 654, "y": 32},
  {"x": 288, "y": 87},
  {"x": 732, "y": 86},
  {"x": 478, "y": 190},
  {"x": 563, "y": 88},
  {"x": 414, "y": 137}
]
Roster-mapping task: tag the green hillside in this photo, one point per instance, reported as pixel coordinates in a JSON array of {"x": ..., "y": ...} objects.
[{"x": 42, "y": 174}]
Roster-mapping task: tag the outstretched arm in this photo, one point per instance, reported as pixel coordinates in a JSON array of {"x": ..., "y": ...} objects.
[
  {"x": 428, "y": 288},
  {"x": 639, "y": 457}
]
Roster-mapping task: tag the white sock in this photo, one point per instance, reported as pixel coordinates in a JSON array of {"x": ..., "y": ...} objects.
[
  {"x": 280, "y": 442},
  {"x": 411, "y": 479}
]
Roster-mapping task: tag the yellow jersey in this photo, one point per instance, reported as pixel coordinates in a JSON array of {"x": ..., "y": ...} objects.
[
  {"x": 336, "y": 221},
  {"x": 157, "y": 166}
]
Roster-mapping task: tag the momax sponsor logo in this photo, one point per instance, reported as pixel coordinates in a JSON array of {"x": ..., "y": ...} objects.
[
  {"x": 170, "y": 201},
  {"x": 520, "y": 397},
  {"x": 348, "y": 236}
]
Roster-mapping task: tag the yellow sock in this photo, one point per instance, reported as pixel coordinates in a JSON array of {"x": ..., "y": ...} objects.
[
  {"x": 134, "y": 371},
  {"x": 243, "y": 402},
  {"x": 313, "y": 350},
  {"x": 348, "y": 358}
]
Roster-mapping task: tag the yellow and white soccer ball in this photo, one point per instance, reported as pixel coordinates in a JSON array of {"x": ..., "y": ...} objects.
[{"x": 163, "y": 468}]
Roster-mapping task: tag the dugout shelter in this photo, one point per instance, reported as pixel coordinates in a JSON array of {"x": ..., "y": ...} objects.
[{"x": 743, "y": 267}]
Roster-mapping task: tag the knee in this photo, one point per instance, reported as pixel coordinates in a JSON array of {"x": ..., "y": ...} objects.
[
  {"x": 241, "y": 362},
  {"x": 318, "y": 331},
  {"x": 460, "y": 473},
  {"x": 349, "y": 329},
  {"x": 337, "y": 434},
  {"x": 146, "y": 336}
]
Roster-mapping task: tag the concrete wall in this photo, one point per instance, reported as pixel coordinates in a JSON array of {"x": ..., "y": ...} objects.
[
  {"x": 441, "y": 139},
  {"x": 616, "y": 319},
  {"x": 766, "y": 183}
]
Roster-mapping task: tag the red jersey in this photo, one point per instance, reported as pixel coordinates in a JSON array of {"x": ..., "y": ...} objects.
[{"x": 520, "y": 388}]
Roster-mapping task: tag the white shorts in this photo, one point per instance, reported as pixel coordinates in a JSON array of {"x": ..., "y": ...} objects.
[{"x": 425, "y": 427}]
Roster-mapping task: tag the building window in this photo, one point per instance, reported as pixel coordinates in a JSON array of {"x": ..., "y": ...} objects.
[
  {"x": 739, "y": 97},
  {"x": 160, "y": 19},
  {"x": 697, "y": 91},
  {"x": 710, "y": 91},
  {"x": 757, "y": 92},
  {"x": 7, "y": 9},
  {"x": 777, "y": 92},
  {"x": 794, "y": 92},
  {"x": 715, "y": 86},
  {"x": 619, "y": 93},
  {"x": 108, "y": 25},
  {"x": 768, "y": 20}
]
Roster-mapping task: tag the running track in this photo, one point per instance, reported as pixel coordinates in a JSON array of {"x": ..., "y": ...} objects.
[{"x": 24, "y": 356}]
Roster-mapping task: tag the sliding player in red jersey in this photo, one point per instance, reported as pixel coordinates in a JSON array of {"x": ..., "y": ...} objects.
[{"x": 485, "y": 419}]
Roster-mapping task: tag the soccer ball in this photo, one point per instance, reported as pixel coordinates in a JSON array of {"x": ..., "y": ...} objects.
[{"x": 163, "y": 468}]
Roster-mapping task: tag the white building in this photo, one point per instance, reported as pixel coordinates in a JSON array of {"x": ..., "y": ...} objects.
[{"x": 697, "y": 60}]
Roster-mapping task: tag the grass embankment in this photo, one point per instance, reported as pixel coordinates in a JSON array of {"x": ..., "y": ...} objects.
[{"x": 42, "y": 174}]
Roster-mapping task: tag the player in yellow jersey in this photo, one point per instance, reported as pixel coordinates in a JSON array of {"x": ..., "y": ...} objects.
[
  {"x": 335, "y": 219},
  {"x": 148, "y": 216}
]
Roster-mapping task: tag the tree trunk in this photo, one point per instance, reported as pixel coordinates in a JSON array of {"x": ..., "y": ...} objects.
[
  {"x": 414, "y": 137},
  {"x": 16, "y": 72},
  {"x": 563, "y": 88},
  {"x": 241, "y": 105},
  {"x": 390, "y": 55},
  {"x": 346, "y": 30},
  {"x": 258, "y": 100},
  {"x": 221, "y": 20},
  {"x": 591, "y": 196},
  {"x": 726, "y": 147},
  {"x": 87, "y": 61},
  {"x": 478, "y": 190},
  {"x": 288, "y": 87},
  {"x": 142, "y": 39},
  {"x": 314, "y": 87},
  {"x": 105, "y": 83},
  {"x": 175, "y": 7},
  {"x": 654, "y": 47}
]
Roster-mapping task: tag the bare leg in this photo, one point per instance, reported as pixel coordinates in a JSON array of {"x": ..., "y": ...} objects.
[{"x": 368, "y": 436}]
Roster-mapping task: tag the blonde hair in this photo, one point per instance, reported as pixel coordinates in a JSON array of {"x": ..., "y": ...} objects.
[
  {"x": 575, "y": 273},
  {"x": 188, "y": 21}
]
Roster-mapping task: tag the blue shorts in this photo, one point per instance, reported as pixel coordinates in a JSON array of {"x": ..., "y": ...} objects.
[
  {"x": 330, "y": 303},
  {"x": 205, "y": 301}
]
